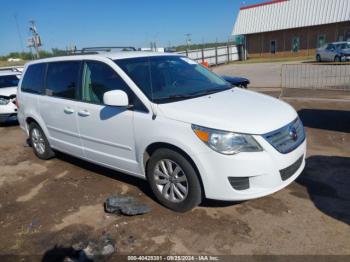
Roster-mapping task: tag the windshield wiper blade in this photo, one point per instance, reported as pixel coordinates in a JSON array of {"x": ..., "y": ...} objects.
[
  {"x": 191, "y": 95},
  {"x": 172, "y": 97},
  {"x": 209, "y": 91}
]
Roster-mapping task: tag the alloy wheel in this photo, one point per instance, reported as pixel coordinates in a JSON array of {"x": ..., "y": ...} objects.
[
  {"x": 38, "y": 141},
  {"x": 171, "y": 180}
]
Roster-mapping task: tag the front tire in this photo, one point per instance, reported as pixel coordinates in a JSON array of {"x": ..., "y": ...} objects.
[
  {"x": 39, "y": 142},
  {"x": 173, "y": 180}
]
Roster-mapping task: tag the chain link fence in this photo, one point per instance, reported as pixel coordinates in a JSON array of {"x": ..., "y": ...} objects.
[{"x": 316, "y": 76}]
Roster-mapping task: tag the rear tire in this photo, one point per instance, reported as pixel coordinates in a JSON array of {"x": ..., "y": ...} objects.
[
  {"x": 173, "y": 180},
  {"x": 39, "y": 142}
]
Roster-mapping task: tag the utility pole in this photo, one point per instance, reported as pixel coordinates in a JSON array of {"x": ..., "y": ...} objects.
[
  {"x": 34, "y": 41},
  {"x": 188, "y": 41}
]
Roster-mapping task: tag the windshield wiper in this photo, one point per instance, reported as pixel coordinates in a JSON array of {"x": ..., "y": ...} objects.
[
  {"x": 209, "y": 91},
  {"x": 191, "y": 95},
  {"x": 172, "y": 97}
]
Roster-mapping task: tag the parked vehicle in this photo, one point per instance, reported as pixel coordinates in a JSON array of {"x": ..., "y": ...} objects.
[
  {"x": 237, "y": 81},
  {"x": 8, "y": 89},
  {"x": 164, "y": 118},
  {"x": 334, "y": 52}
]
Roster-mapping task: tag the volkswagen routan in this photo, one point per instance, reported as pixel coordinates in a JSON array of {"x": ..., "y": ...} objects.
[{"x": 164, "y": 118}]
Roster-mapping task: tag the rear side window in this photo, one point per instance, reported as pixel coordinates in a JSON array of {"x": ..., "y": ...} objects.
[
  {"x": 62, "y": 79},
  {"x": 33, "y": 79}
]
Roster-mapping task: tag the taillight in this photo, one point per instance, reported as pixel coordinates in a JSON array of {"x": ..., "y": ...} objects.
[{"x": 17, "y": 104}]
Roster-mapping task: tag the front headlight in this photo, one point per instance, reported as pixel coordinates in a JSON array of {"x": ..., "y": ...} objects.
[
  {"x": 227, "y": 143},
  {"x": 4, "y": 101}
]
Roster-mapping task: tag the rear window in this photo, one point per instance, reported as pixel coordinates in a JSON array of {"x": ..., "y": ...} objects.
[
  {"x": 8, "y": 81},
  {"x": 62, "y": 79},
  {"x": 33, "y": 79}
]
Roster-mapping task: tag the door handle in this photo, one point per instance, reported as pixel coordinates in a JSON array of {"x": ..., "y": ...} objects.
[
  {"x": 84, "y": 113},
  {"x": 68, "y": 110}
]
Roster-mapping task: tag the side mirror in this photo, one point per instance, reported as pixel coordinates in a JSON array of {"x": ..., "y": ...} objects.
[{"x": 116, "y": 98}]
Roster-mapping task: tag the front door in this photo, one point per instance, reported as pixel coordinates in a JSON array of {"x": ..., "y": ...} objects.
[
  {"x": 106, "y": 132},
  {"x": 273, "y": 47},
  {"x": 58, "y": 106}
]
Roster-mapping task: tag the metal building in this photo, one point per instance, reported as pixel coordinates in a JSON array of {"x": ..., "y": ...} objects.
[{"x": 292, "y": 27}]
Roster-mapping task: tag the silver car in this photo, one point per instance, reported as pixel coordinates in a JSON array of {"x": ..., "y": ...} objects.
[{"x": 334, "y": 52}]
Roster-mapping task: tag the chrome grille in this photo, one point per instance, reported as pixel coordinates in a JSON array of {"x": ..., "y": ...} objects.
[{"x": 287, "y": 138}]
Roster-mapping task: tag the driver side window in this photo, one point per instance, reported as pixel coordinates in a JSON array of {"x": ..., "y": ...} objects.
[
  {"x": 330, "y": 47},
  {"x": 99, "y": 78}
]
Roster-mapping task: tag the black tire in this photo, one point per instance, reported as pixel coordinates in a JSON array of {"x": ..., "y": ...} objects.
[
  {"x": 194, "y": 192},
  {"x": 337, "y": 59},
  {"x": 47, "y": 153},
  {"x": 318, "y": 59}
]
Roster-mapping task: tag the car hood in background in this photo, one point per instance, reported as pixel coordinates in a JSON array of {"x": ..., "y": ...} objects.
[
  {"x": 234, "y": 110},
  {"x": 8, "y": 91}
]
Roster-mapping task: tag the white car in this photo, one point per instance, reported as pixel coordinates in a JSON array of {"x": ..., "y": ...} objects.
[
  {"x": 8, "y": 89},
  {"x": 164, "y": 118}
]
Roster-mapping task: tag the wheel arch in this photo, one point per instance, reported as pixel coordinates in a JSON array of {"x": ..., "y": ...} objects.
[
  {"x": 30, "y": 119},
  {"x": 151, "y": 148}
]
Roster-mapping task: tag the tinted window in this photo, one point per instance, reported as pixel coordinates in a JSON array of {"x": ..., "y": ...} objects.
[
  {"x": 167, "y": 78},
  {"x": 62, "y": 79},
  {"x": 330, "y": 47},
  {"x": 343, "y": 46},
  {"x": 8, "y": 81},
  {"x": 99, "y": 78},
  {"x": 33, "y": 79}
]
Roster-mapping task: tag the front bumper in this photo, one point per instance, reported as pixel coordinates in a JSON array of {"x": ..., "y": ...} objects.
[
  {"x": 8, "y": 112},
  {"x": 8, "y": 117},
  {"x": 268, "y": 171}
]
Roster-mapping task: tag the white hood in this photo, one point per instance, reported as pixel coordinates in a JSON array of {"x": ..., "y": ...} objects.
[
  {"x": 234, "y": 110},
  {"x": 7, "y": 91}
]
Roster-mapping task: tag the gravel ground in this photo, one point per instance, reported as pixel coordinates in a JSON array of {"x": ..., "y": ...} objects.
[{"x": 59, "y": 203}]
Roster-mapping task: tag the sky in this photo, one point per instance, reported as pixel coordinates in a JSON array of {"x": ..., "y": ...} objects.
[{"x": 83, "y": 23}]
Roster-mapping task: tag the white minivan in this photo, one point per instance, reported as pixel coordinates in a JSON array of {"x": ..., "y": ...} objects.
[{"x": 164, "y": 118}]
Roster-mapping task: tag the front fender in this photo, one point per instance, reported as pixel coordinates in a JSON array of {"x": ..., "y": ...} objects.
[{"x": 171, "y": 132}]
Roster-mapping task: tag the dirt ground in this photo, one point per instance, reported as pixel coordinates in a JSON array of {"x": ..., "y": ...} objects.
[{"x": 59, "y": 203}]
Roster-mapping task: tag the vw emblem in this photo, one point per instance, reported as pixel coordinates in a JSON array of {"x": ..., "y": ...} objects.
[{"x": 293, "y": 133}]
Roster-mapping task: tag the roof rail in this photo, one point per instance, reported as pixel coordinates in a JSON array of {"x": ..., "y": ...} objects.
[
  {"x": 107, "y": 49},
  {"x": 95, "y": 50},
  {"x": 11, "y": 68}
]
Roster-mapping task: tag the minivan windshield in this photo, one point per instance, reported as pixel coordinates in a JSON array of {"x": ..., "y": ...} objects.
[
  {"x": 8, "y": 81},
  {"x": 166, "y": 79}
]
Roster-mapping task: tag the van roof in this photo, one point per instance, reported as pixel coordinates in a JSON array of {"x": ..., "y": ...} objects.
[{"x": 110, "y": 55}]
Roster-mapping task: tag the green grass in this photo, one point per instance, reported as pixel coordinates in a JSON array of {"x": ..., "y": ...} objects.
[{"x": 275, "y": 59}]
